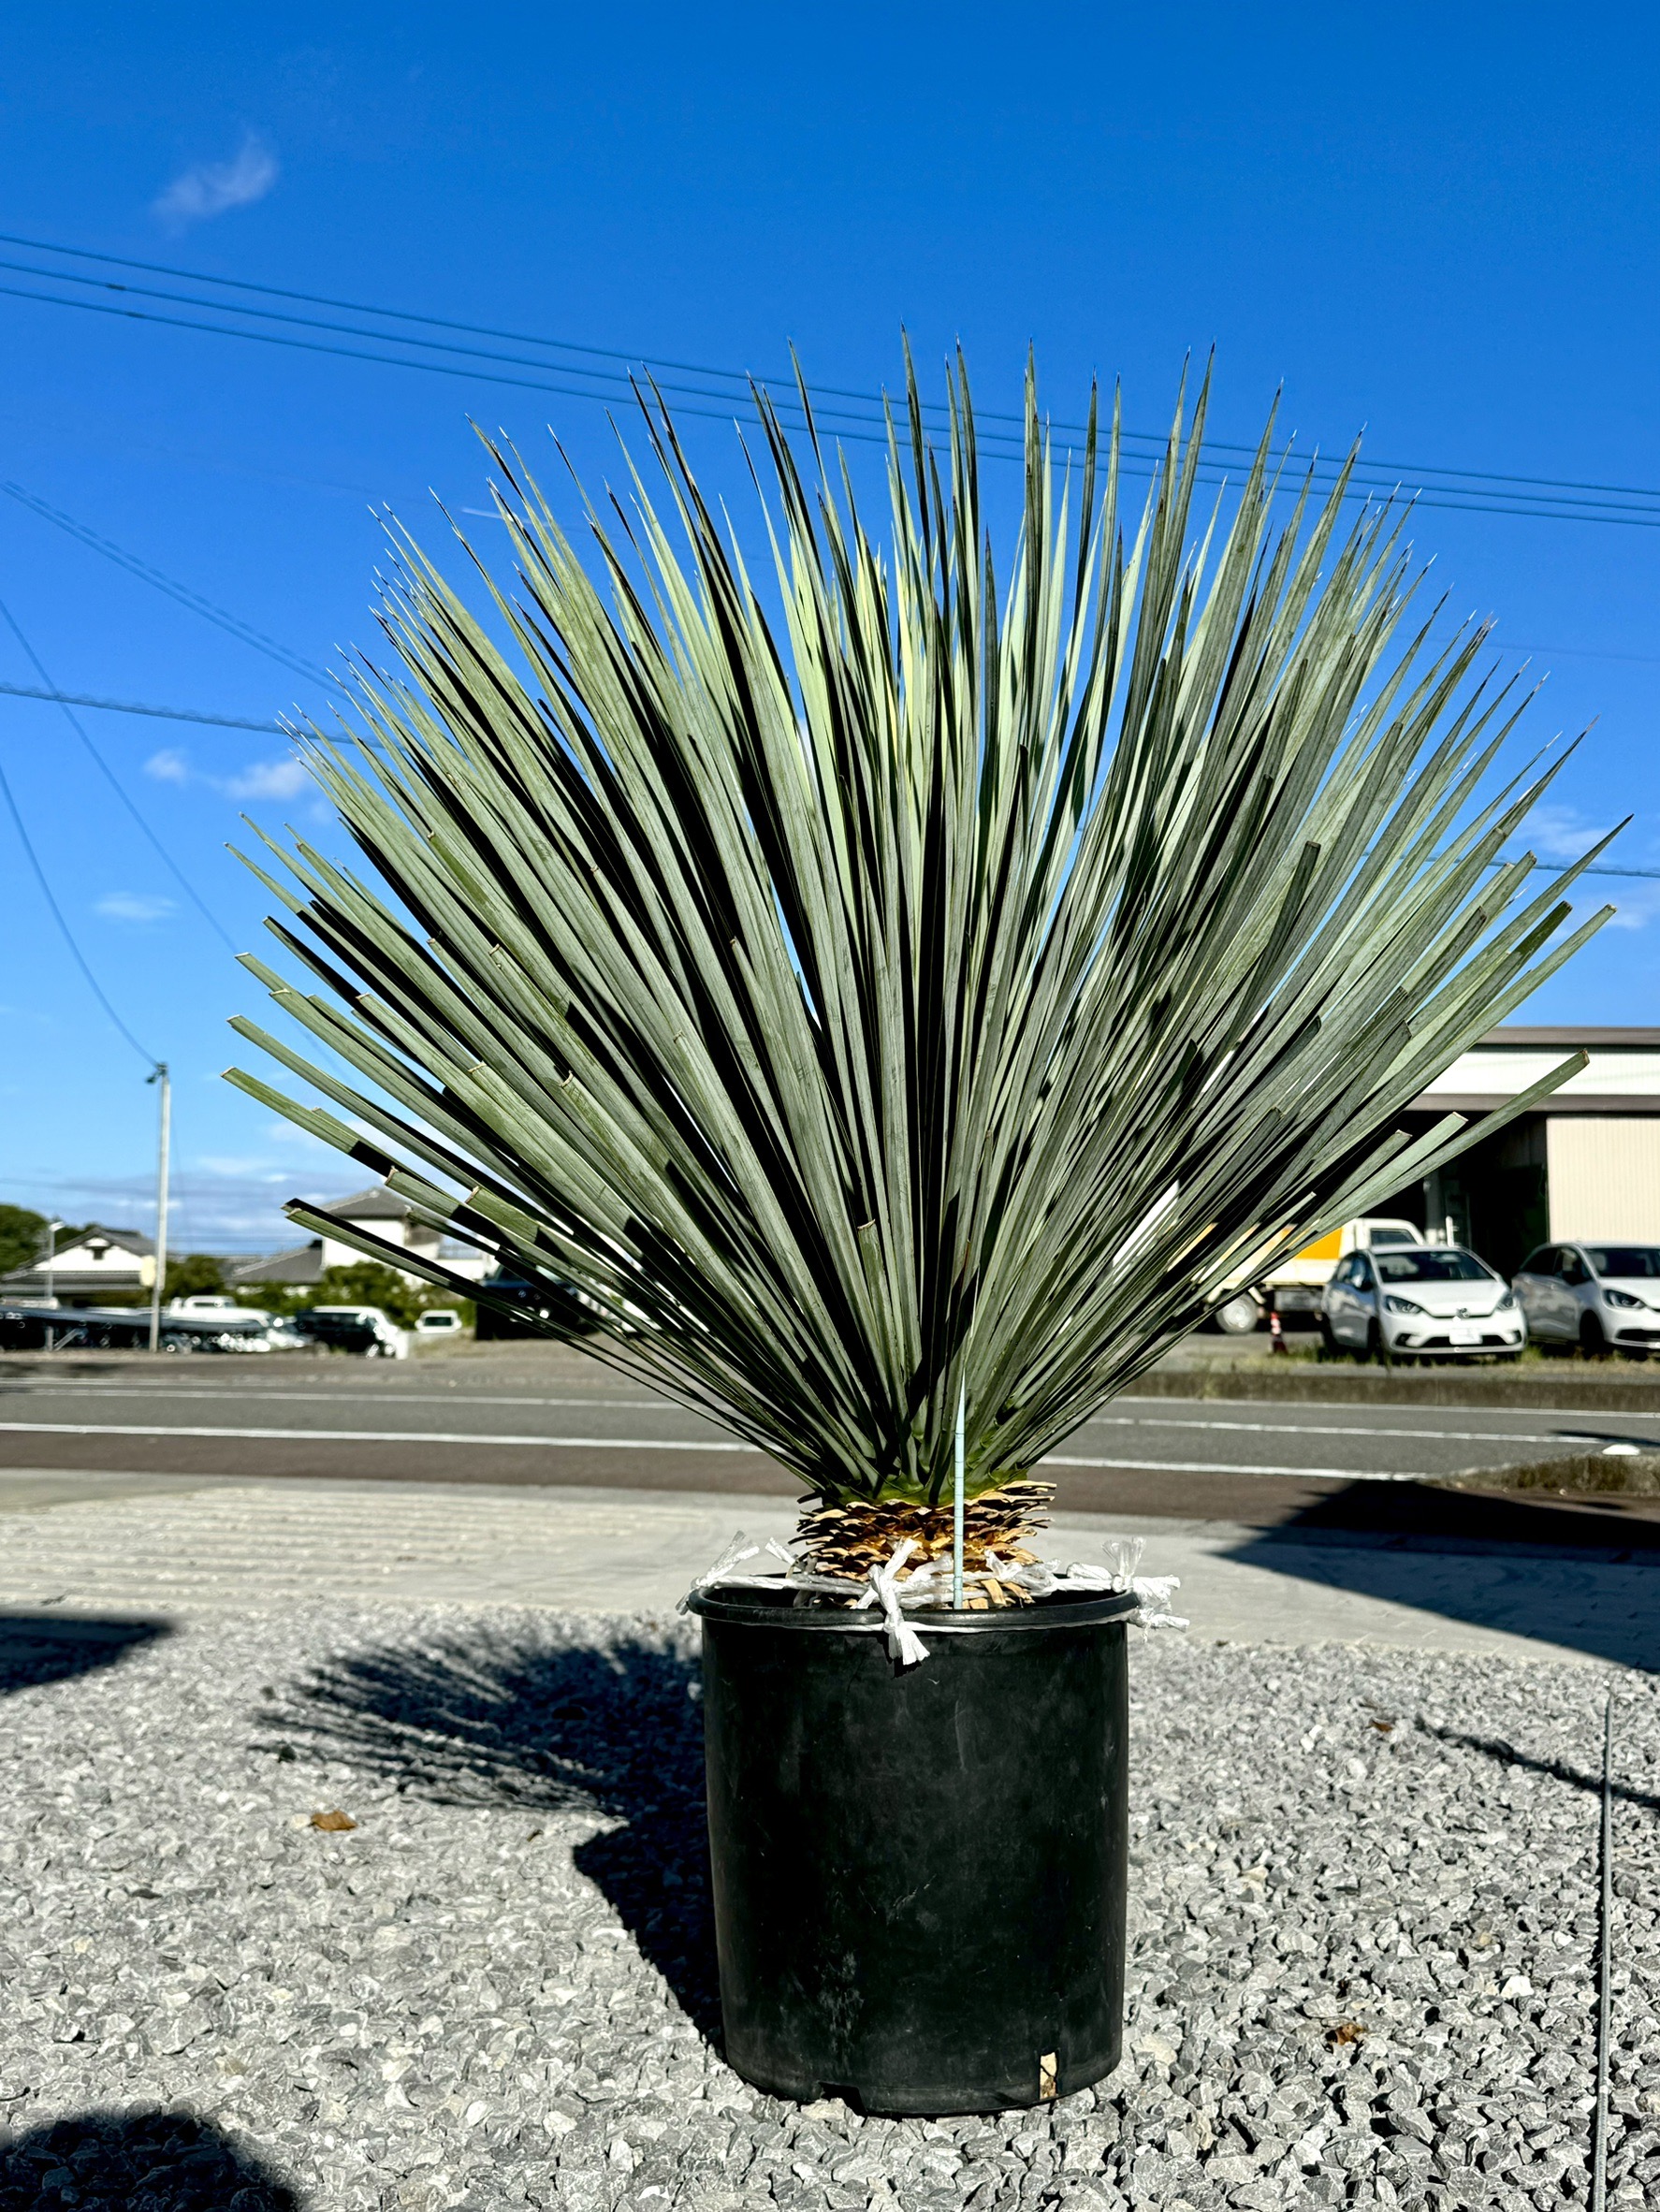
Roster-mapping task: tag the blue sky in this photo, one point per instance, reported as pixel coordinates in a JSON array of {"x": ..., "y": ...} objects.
[{"x": 1439, "y": 226}]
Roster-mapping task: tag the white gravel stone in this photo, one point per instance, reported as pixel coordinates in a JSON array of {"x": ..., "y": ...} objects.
[{"x": 1363, "y": 1922}]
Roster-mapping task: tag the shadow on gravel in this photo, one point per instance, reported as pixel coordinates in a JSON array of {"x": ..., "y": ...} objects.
[
  {"x": 135, "y": 2162},
  {"x": 1494, "y": 1747},
  {"x": 483, "y": 1717},
  {"x": 36, "y": 1648}
]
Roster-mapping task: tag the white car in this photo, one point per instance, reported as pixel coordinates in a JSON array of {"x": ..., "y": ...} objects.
[
  {"x": 1417, "y": 1302},
  {"x": 437, "y": 1324},
  {"x": 1601, "y": 1297},
  {"x": 1295, "y": 1285}
]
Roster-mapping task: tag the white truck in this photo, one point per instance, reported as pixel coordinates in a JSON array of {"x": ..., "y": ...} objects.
[{"x": 1295, "y": 1285}]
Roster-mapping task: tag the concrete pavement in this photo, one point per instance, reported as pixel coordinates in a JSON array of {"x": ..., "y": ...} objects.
[{"x": 183, "y": 1544}]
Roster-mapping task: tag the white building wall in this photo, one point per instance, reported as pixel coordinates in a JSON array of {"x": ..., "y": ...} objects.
[
  {"x": 1604, "y": 1176},
  {"x": 1501, "y": 1070}
]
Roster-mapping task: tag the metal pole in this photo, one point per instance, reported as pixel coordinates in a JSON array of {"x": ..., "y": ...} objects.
[
  {"x": 161, "y": 1203},
  {"x": 956, "y": 1512},
  {"x": 1599, "y": 2149},
  {"x": 53, "y": 1228}
]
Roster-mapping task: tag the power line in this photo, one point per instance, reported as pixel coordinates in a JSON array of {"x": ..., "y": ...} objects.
[
  {"x": 739, "y": 377},
  {"x": 166, "y": 714},
  {"x": 864, "y": 427},
  {"x": 1579, "y": 652},
  {"x": 1359, "y": 488},
  {"x": 149, "y": 573},
  {"x": 119, "y": 790},
  {"x": 608, "y": 352},
  {"x": 1585, "y": 500},
  {"x": 537, "y": 384},
  {"x": 93, "y": 984}
]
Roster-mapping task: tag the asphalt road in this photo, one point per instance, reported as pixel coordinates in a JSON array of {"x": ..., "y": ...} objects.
[{"x": 551, "y": 1416}]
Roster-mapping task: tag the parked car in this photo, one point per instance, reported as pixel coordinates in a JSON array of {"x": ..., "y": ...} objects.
[
  {"x": 1601, "y": 1297},
  {"x": 1296, "y": 1285},
  {"x": 205, "y": 1302},
  {"x": 510, "y": 1307},
  {"x": 362, "y": 1329},
  {"x": 437, "y": 1324},
  {"x": 1421, "y": 1301}
]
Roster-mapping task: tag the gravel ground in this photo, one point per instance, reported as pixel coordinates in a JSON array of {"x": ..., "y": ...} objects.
[{"x": 1364, "y": 1911}]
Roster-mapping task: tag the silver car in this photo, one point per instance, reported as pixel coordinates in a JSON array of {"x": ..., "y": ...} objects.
[
  {"x": 1412, "y": 1301},
  {"x": 1601, "y": 1297}
]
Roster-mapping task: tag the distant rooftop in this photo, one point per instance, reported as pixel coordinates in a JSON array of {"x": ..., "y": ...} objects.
[{"x": 1572, "y": 1033}]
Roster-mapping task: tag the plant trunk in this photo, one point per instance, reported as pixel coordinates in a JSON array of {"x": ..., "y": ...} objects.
[{"x": 851, "y": 1535}]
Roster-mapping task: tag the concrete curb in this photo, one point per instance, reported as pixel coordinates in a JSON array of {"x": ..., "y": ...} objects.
[{"x": 1295, "y": 1382}]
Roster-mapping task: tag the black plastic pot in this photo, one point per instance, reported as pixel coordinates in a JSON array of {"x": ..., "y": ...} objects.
[{"x": 918, "y": 1876}]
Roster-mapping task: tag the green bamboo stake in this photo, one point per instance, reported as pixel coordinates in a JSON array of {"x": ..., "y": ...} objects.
[{"x": 957, "y": 1509}]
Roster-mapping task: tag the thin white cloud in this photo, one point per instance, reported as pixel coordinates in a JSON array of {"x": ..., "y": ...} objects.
[
  {"x": 132, "y": 906},
  {"x": 267, "y": 780},
  {"x": 211, "y": 187},
  {"x": 1634, "y": 905},
  {"x": 283, "y": 779},
  {"x": 1561, "y": 835}
]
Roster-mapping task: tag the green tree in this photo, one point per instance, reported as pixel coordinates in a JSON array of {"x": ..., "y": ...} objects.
[
  {"x": 193, "y": 1273},
  {"x": 920, "y": 998},
  {"x": 366, "y": 1282},
  {"x": 22, "y": 1237}
]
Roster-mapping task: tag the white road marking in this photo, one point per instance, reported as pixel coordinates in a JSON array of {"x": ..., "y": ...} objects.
[
  {"x": 371, "y": 1436},
  {"x": 393, "y": 1394},
  {"x": 1056, "y": 1459},
  {"x": 390, "y": 1390},
  {"x": 637, "y": 1443}
]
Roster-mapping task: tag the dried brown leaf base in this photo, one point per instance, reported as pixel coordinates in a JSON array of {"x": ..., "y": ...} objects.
[{"x": 850, "y": 1538}]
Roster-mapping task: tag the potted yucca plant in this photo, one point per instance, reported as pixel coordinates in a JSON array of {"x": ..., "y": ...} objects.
[{"x": 901, "y": 997}]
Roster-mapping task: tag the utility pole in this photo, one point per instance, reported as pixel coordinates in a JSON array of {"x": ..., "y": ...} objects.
[
  {"x": 53, "y": 1228},
  {"x": 156, "y": 1288}
]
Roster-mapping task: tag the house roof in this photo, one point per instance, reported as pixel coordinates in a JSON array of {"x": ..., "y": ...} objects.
[
  {"x": 1519, "y": 1036},
  {"x": 376, "y": 1203},
  {"x": 303, "y": 1263},
  {"x": 125, "y": 1240}
]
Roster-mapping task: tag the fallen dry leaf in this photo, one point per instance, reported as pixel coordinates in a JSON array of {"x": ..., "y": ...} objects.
[
  {"x": 333, "y": 1821},
  {"x": 1345, "y": 2032}
]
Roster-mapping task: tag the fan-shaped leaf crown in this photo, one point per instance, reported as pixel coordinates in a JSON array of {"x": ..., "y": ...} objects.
[{"x": 927, "y": 986}]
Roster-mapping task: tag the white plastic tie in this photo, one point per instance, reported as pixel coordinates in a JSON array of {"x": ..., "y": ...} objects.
[
  {"x": 1125, "y": 1554},
  {"x": 733, "y": 1556},
  {"x": 904, "y": 1644},
  {"x": 1152, "y": 1593}
]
